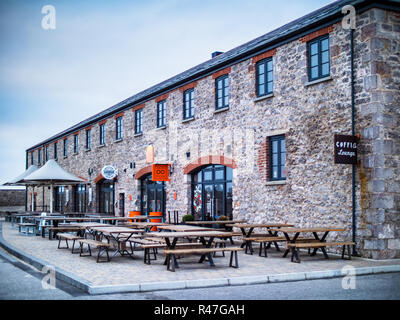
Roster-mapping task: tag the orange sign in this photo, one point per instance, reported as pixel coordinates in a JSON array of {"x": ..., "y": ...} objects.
[
  {"x": 160, "y": 172},
  {"x": 150, "y": 154}
]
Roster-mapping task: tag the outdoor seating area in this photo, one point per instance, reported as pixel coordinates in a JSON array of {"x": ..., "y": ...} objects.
[{"x": 111, "y": 236}]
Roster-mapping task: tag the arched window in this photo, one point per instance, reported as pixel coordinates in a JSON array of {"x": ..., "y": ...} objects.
[{"x": 212, "y": 192}]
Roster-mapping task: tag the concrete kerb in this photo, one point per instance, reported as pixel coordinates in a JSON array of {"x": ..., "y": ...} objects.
[{"x": 86, "y": 286}]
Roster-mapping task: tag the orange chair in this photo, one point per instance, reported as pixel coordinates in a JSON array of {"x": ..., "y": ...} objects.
[
  {"x": 155, "y": 213},
  {"x": 134, "y": 213}
]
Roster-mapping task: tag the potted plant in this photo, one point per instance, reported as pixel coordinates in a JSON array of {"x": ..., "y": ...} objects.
[{"x": 187, "y": 217}]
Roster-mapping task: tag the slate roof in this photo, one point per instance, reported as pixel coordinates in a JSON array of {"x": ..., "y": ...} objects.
[{"x": 288, "y": 32}]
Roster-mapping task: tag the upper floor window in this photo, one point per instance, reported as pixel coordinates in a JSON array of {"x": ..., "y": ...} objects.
[
  {"x": 76, "y": 143},
  {"x": 32, "y": 158},
  {"x": 188, "y": 107},
  {"x": 55, "y": 150},
  {"x": 65, "y": 148},
  {"x": 88, "y": 139},
  {"x": 265, "y": 77},
  {"x": 102, "y": 134},
  {"x": 318, "y": 55},
  {"x": 138, "y": 121},
  {"x": 118, "y": 130},
  {"x": 222, "y": 92},
  {"x": 161, "y": 114},
  {"x": 46, "y": 156},
  {"x": 277, "y": 157},
  {"x": 40, "y": 156}
]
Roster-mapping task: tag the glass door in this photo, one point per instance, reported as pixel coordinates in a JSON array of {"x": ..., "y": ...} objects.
[
  {"x": 152, "y": 195},
  {"x": 106, "y": 198}
]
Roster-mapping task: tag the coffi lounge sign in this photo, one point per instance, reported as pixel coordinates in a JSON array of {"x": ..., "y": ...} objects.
[{"x": 345, "y": 149}]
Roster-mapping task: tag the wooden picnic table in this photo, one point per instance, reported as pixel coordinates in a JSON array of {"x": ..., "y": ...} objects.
[
  {"x": 223, "y": 223},
  {"x": 145, "y": 225},
  {"x": 184, "y": 228},
  {"x": 56, "y": 219},
  {"x": 314, "y": 230},
  {"x": 250, "y": 228},
  {"x": 171, "y": 239},
  {"x": 119, "y": 234}
]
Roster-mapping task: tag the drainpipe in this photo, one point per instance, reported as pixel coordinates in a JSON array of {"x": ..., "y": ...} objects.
[
  {"x": 353, "y": 173},
  {"x": 26, "y": 188}
]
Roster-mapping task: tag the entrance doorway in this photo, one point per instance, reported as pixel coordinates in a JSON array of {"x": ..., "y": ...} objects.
[
  {"x": 152, "y": 195},
  {"x": 212, "y": 192},
  {"x": 80, "y": 198},
  {"x": 106, "y": 196},
  {"x": 60, "y": 200}
]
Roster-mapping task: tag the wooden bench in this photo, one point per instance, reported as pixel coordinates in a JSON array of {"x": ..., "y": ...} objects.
[
  {"x": 103, "y": 247},
  {"x": 172, "y": 253},
  {"x": 25, "y": 227},
  {"x": 66, "y": 237},
  {"x": 319, "y": 245},
  {"x": 155, "y": 244},
  {"x": 54, "y": 230},
  {"x": 265, "y": 243}
]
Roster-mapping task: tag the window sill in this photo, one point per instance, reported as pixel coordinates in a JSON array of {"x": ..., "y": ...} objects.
[
  {"x": 138, "y": 134},
  {"x": 275, "y": 183},
  {"x": 65, "y": 157},
  {"x": 75, "y": 153},
  {"x": 161, "y": 128},
  {"x": 270, "y": 95},
  {"x": 310, "y": 83},
  {"x": 101, "y": 146},
  {"x": 87, "y": 150},
  {"x": 187, "y": 120},
  {"x": 221, "y": 110},
  {"x": 118, "y": 140}
]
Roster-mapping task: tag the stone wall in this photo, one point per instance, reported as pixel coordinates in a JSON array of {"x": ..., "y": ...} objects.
[
  {"x": 12, "y": 198},
  {"x": 316, "y": 191}
]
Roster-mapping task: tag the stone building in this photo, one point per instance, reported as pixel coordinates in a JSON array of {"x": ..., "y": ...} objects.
[{"x": 250, "y": 133}]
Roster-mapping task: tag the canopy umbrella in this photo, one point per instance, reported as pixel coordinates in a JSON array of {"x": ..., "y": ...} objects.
[
  {"x": 18, "y": 181},
  {"x": 52, "y": 174}
]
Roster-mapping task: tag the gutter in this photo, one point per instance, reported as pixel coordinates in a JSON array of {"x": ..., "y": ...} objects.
[{"x": 353, "y": 171}]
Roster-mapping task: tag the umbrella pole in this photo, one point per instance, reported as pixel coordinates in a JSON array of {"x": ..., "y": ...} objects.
[
  {"x": 51, "y": 198},
  {"x": 32, "y": 198}
]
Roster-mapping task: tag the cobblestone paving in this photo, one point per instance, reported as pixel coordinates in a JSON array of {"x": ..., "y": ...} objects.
[{"x": 124, "y": 270}]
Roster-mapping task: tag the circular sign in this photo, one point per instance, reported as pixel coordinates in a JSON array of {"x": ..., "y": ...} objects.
[{"x": 109, "y": 172}]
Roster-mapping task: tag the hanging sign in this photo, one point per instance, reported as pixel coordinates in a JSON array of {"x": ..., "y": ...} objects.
[
  {"x": 345, "y": 148},
  {"x": 109, "y": 172},
  {"x": 160, "y": 172},
  {"x": 149, "y": 154}
]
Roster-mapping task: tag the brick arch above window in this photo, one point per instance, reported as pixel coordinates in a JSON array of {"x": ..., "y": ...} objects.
[
  {"x": 142, "y": 172},
  {"x": 207, "y": 160}
]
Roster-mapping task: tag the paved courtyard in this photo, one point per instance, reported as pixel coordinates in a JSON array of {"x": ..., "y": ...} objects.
[{"x": 124, "y": 270}]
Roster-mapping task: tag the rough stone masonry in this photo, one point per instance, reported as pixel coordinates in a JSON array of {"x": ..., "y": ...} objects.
[{"x": 316, "y": 191}]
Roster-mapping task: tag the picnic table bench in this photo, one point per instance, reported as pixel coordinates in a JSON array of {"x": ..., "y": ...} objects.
[
  {"x": 319, "y": 245},
  {"x": 102, "y": 246},
  {"x": 172, "y": 253},
  {"x": 54, "y": 230},
  {"x": 66, "y": 237},
  {"x": 294, "y": 243},
  {"x": 25, "y": 227}
]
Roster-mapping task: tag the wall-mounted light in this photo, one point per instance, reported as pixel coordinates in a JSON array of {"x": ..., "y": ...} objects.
[
  {"x": 132, "y": 165},
  {"x": 90, "y": 171},
  {"x": 188, "y": 155}
]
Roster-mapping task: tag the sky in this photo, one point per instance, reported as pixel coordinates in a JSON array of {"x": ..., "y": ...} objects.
[{"x": 102, "y": 52}]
